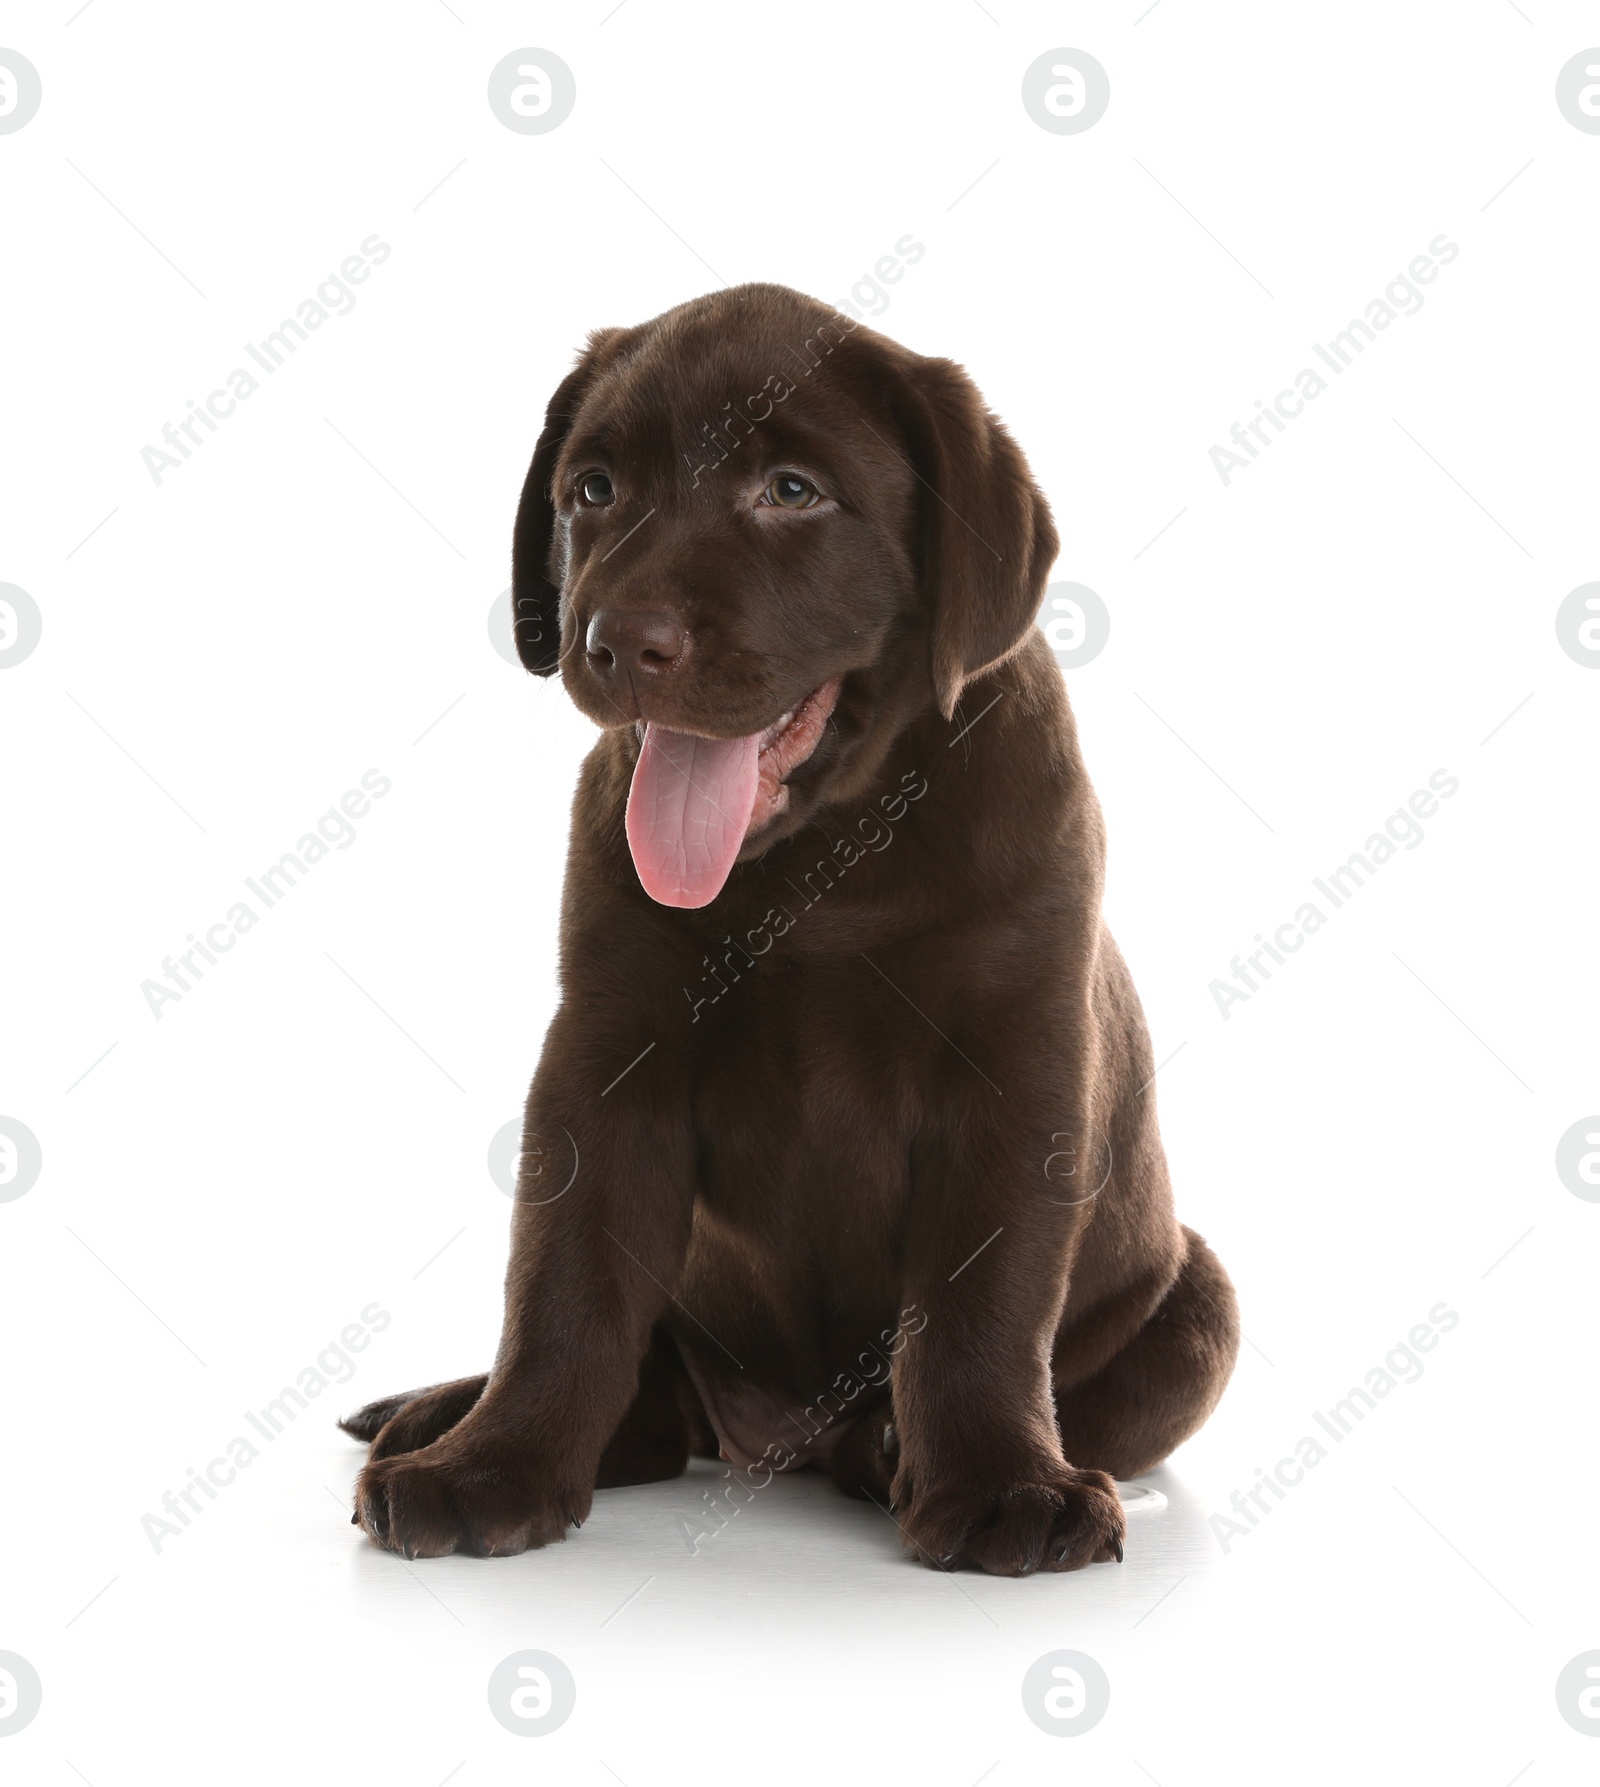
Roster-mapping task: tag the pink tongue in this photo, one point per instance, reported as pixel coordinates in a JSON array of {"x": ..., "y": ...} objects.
[{"x": 688, "y": 811}]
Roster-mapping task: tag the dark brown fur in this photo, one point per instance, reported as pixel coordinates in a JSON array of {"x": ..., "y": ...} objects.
[{"x": 887, "y": 1187}]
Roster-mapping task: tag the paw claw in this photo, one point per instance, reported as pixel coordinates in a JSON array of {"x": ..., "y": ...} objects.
[
  {"x": 453, "y": 1498},
  {"x": 1061, "y": 1519}
]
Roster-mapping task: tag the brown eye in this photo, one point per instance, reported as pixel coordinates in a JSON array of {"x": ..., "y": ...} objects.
[
  {"x": 790, "y": 492},
  {"x": 594, "y": 488}
]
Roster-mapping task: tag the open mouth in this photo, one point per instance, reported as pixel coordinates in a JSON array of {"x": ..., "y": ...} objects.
[{"x": 694, "y": 800}]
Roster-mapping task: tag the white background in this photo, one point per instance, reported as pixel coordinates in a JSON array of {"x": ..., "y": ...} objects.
[{"x": 302, "y": 1133}]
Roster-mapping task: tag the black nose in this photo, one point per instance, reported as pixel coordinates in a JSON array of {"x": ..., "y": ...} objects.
[{"x": 624, "y": 641}]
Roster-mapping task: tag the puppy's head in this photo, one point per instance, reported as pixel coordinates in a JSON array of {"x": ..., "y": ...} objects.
[{"x": 762, "y": 538}]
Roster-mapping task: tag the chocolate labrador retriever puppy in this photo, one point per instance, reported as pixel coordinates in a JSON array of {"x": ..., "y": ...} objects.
[{"x": 842, "y": 1148}]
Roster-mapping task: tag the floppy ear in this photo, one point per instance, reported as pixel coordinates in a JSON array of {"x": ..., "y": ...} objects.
[
  {"x": 987, "y": 540},
  {"x": 535, "y": 599}
]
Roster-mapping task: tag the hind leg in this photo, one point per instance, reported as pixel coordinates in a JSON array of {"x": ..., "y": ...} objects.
[
  {"x": 1132, "y": 1381},
  {"x": 863, "y": 1462},
  {"x": 414, "y": 1418},
  {"x": 1126, "y": 1414},
  {"x": 654, "y": 1438},
  {"x": 652, "y": 1441}
]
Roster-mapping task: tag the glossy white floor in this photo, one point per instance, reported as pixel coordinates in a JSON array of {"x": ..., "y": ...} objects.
[
  {"x": 1378, "y": 1560},
  {"x": 1399, "y": 1599}
]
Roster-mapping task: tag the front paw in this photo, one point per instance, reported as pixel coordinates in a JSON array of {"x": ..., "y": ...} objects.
[
  {"x": 448, "y": 1498},
  {"x": 1061, "y": 1519}
]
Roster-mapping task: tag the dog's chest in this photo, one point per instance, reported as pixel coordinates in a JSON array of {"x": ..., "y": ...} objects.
[
  {"x": 805, "y": 1101},
  {"x": 803, "y": 1157}
]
